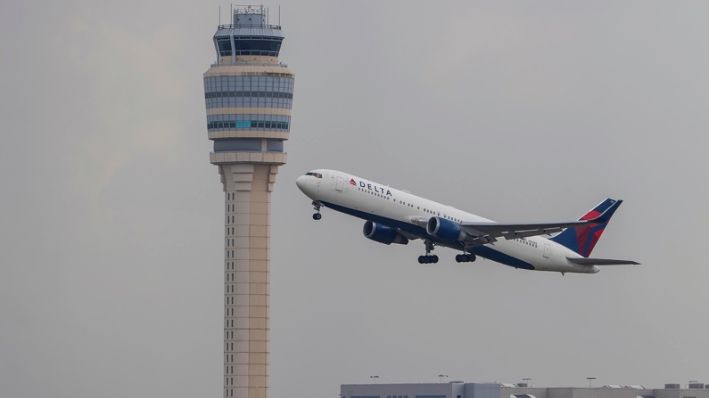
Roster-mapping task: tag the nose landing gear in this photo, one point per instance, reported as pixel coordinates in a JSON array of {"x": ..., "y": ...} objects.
[
  {"x": 316, "y": 215},
  {"x": 428, "y": 258}
]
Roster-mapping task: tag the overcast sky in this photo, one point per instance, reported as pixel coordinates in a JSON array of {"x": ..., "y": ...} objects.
[{"x": 111, "y": 267}]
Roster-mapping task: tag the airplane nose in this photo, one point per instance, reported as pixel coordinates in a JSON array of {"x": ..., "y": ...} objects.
[{"x": 301, "y": 182}]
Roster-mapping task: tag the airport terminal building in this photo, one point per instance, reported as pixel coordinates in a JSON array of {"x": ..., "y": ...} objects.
[{"x": 459, "y": 389}]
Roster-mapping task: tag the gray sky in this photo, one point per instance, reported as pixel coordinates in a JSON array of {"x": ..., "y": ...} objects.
[{"x": 111, "y": 239}]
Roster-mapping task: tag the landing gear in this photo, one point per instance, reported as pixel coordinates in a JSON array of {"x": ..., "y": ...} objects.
[
  {"x": 428, "y": 258},
  {"x": 316, "y": 215},
  {"x": 465, "y": 258}
]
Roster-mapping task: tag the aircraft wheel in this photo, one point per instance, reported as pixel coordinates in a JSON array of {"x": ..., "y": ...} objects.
[
  {"x": 317, "y": 216},
  {"x": 465, "y": 258},
  {"x": 422, "y": 259},
  {"x": 434, "y": 259}
]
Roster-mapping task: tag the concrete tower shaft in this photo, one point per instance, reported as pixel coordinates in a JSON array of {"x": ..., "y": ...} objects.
[{"x": 248, "y": 95}]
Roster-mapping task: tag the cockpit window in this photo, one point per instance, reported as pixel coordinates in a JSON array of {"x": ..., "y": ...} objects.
[{"x": 316, "y": 175}]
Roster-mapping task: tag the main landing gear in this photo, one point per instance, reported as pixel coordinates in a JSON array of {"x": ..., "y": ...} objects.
[
  {"x": 428, "y": 258},
  {"x": 465, "y": 258},
  {"x": 316, "y": 215}
]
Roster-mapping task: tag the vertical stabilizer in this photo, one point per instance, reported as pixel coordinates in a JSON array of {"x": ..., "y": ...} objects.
[{"x": 583, "y": 239}]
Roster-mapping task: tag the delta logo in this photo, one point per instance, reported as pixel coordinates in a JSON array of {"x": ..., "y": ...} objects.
[{"x": 371, "y": 187}]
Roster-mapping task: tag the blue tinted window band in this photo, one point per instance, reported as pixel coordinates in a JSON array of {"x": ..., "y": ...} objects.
[
  {"x": 249, "y": 82},
  {"x": 247, "y": 116},
  {"x": 248, "y": 94},
  {"x": 248, "y": 124},
  {"x": 249, "y": 102}
]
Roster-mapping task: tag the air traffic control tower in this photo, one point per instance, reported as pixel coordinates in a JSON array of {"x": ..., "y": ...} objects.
[{"x": 248, "y": 95}]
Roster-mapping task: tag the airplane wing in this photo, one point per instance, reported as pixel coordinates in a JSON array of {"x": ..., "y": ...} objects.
[
  {"x": 516, "y": 231},
  {"x": 481, "y": 233},
  {"x": 599, "y": 261},
  {"x": 488, "y": 232}
]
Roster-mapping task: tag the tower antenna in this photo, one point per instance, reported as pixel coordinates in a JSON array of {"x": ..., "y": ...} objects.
[
  {"x": 279, "y": 15},
  {"x": 220, "y": 14}
]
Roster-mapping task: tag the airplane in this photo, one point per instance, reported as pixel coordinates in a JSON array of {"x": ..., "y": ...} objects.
[{"x": 396, "y": 216}]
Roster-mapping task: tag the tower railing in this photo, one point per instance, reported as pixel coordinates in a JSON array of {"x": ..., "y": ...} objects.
[{"x": 250, "y": 26}]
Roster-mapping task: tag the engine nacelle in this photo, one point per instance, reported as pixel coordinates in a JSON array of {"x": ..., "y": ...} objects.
[
  {"x": 445, "y": 230},
  {"x": 383, "y": 234}
]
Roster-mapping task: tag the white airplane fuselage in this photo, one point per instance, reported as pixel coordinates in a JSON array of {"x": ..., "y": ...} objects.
[{"x": 398, "y": 209}]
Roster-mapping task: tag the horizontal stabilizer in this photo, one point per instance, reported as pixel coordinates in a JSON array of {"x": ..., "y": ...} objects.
[{"x": 600, "y": 261}]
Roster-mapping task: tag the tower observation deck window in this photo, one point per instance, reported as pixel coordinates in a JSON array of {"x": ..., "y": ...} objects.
[
  {"x": 248, "y": 122},
  {"x": 274, "y": 145},
  {"x": 258, "y": 94},
  {"x": 238, "y": 144},
  {"x": 257, "y": 45},
  {"x": 224, "y": 44},
  {"x": 247, "y": 145}
]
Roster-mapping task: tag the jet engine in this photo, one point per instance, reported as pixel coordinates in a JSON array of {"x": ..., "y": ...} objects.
[
  {"x": 383, "y": 234},
  {"x": 445, "y": 230}
]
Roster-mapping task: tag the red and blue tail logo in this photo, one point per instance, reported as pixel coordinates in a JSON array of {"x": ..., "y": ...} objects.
[{"x": 583, "y": 239}]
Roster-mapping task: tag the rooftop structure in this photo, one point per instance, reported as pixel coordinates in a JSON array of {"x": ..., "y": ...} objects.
[{"x": 459, "y": 389}]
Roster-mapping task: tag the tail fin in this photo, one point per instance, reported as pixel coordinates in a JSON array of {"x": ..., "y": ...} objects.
[{"x": 583, "y": 239}]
